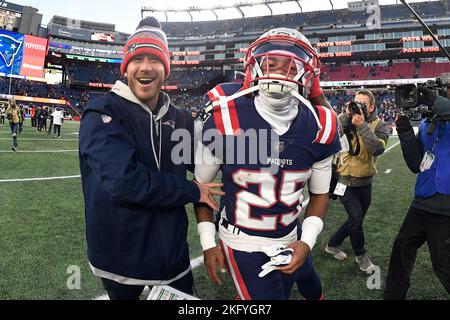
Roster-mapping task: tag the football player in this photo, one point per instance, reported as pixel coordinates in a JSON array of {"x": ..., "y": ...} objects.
[{"x": 262, "y": 242}]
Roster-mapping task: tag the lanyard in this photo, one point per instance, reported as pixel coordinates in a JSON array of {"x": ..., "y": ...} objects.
[{"x": 440, "y": 134}]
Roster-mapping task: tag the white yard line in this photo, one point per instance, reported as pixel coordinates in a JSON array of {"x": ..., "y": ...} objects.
[
  {"x": 38, "y": 151},
  {"x": 26, "y": 139},
  {"x": 391, "y": 147},
  {"x": 40, "y": 179},
  {"x": 388, "y": 171}
]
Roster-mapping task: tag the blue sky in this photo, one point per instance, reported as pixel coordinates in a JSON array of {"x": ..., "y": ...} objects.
[{"x": 125, "y": 14}]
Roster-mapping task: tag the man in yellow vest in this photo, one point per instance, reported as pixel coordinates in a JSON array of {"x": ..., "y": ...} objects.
[
  {"x": 13, "y": 115},
  {"x": 367, "y": 137}
]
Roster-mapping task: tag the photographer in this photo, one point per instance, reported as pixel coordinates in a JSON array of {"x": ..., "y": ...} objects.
[
  {"x": 428, "y": 218},
  {"x": 367, "y": 136}
]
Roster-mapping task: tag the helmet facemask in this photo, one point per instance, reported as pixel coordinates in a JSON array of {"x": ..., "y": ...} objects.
[{"x": 281, "y": 64}]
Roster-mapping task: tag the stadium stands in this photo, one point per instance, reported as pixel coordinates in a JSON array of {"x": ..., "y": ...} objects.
[
  {"x": 402, "y": 70},
  {"x": 432, "y": 69}
]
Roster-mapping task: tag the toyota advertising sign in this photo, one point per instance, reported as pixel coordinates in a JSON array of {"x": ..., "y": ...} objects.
[{"x": 34, "y": 52}]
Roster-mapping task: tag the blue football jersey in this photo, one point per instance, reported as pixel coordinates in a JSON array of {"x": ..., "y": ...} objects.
[{"x": 263, "y": 173}]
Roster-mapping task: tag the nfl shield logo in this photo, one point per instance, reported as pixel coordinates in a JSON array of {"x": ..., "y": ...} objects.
[
  {"x": 106, "y": 119},
  {"x": 279, "y": 146}
]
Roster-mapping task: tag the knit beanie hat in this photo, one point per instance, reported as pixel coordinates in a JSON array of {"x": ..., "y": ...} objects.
[{"x": 147, "y": 39}]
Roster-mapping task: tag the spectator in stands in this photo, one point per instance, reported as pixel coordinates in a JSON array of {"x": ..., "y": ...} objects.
[
  {"x": 13, "y": 115},
  {"x": 135, "y": 200},
  {"x": 367, "y": 136}
]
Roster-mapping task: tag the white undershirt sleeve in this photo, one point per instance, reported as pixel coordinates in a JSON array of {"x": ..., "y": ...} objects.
[
  {"x": 206, "y": 164},
  {"x": 319, "y": 183}
]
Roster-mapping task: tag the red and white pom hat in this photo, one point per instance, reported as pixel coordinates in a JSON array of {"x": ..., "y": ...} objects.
[{"x": 147, "y": 40}]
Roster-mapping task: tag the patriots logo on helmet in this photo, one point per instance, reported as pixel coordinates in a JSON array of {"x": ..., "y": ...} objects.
[{"x": 9, "y": 48}]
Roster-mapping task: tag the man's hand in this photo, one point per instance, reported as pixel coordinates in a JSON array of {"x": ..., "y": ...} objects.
[
  {"x": 301, "y": 251},
  {"x": 402, "y": 124},
  {"x": 358, "y": 118},
  {"x": 427, "y": 97},
  {"x": 207, "y": 193},
  {"x": 214, "y": 258}
]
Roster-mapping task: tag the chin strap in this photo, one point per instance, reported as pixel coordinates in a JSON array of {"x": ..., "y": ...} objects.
[{"x": 309, "y": 106}]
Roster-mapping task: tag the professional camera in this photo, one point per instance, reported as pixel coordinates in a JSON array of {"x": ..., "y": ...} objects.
[
  {"x": 411, "y": 100},
  {"x": 357, "y": 107}
]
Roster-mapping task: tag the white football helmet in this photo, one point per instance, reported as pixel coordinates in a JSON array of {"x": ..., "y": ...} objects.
[{"x": 280, "y": 61}]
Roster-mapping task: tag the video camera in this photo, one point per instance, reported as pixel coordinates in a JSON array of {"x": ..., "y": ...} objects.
[{"x": 410, "y": 99}]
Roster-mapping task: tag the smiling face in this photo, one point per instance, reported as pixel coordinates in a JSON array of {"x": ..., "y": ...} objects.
[{"x": 145, "y": 75}]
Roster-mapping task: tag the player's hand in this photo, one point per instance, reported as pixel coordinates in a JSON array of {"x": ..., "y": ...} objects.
[
  {"x": 301, "y": 251},
  {"x": 213, "y": 259},
  {"x": 207, "y": 193}
]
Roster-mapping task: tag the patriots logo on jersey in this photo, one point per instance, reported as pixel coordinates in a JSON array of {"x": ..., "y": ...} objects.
[{"x": 169, "y": 123}]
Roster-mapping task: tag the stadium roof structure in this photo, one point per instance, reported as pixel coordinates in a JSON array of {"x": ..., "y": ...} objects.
[
  {"x": 239, "y": 8},
  {"x": 221, "y": 10}
]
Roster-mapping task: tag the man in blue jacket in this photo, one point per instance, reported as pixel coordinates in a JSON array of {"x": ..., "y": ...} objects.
[
  {"x": 134, "y": 193},
  {"x": 428, "y": 218}
]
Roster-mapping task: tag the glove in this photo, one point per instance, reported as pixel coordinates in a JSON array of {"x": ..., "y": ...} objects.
[
  {"x": 402, "y": 124},
  {"x": 279, "y": 256},
  {"x": 427, "y": 96}
]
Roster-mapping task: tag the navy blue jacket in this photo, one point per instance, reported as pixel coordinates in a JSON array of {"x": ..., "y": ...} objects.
[{"x": 136, "y": 223}]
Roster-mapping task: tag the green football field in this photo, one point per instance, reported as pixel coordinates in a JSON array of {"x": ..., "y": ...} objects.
[{"x": 42, "y": 231}]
